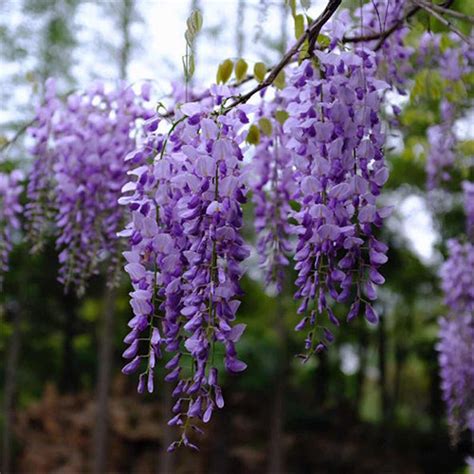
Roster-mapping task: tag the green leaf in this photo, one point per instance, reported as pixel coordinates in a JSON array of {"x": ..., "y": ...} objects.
[
  {"x": 265, "y": 126},
  {"x": 224, "y": 71},
  {"x": 306, "y": 4},
  {"x": 280, "y": 80},
  {"x": 281, "y": 116},
  {"x": 292, "y": 4},
  {"x": 259, "y": 71},
  {"x": 466, "y": 147},
  {"x": 191, "y": 66},
  {"x": 189, "y": 37},
  {"x": 324, "y": 41},
  {"x": 303, "y": 52},
  {"x": 197, "y": 20},
  {"x": 253, "y": 137},
  {"x": 241, "y": 68},
  {"x": 299, "y": 25}
]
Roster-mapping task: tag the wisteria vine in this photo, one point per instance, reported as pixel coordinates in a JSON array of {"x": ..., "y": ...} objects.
[
  {"x": 78, "y": 173},
  {"x": 309, "y": 152}
]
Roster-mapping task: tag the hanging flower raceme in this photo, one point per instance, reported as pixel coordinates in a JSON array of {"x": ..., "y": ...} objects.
[
  {"x": 272, "y": 186},
  {"x": 336, "y": 141},
  {"x": 446, "y": 61},
  {"x": 457, "y": 277},
  {"x": 185, "y": 256},
  {"x": 457, "y": 337},
  {"x": 82, "y": 144},
  {"x": 455, "y": 349},
  {"x": 468, "y": 195},
  {"x": 442, "y": 141},
  {"x": 39, "y": 210},
  {"x": 392, "y": 54},
  {"x": 10, "y": 210}
]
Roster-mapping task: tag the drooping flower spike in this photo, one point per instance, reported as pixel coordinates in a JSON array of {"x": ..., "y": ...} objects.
[
  {"x": 10, "y": 212},
  {"x": 78, "y": 174}
]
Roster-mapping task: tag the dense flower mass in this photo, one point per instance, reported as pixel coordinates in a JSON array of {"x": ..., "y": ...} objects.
[
  {"x": 315, "y": 173},
  {"x": 457, "y": 370},
  {"x": 447, "y": 60},
  {"x": 79, "y": 172},
  {"x": 10, "y": 211},
  {"x": 371, "y": 21},
  {"x": 273, "y": 186},
  {"x": 457, "y": 337},
  {"x": 457, "y": 277},
  {"x": 185, "y": 255},
  {"x": 468, "y": 195},
  {"x": 339, "y": 169}
]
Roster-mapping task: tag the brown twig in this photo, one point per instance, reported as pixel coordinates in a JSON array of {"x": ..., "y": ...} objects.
[
  {"x": 312, "y": 32},
  {"x": 383, "y": 35},
  {"x": 453, "y": 13},
  {"x": 17, "y": 135},
  {"x": 427, "y": 7}
]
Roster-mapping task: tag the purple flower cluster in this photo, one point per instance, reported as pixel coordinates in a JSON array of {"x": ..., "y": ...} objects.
[
  {"x": 39, "y": 210},
  {"x": 468, "y": 193},
  {"x": 441, "y": 156},
  {"x": 393, "y": 57},
  {"x": 457, "y": 277},
  {"x": 79, "y": 172},
  {"x": 272, "y": 186},
  {"x": 10, "y": 210},
  {"x": 185, "y": 255},
  {"x": 455, "y": 349},
  {"x": 457, "y": 337},
  {"x": 336, "y": 141},
  {"x": 451, "y": 59}
]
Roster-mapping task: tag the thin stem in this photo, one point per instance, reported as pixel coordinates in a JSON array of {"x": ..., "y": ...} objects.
[
  {"x": 310, "y": 34},
  {"x": 453, "y": 13},
  {"x": 427, "y": 7}
]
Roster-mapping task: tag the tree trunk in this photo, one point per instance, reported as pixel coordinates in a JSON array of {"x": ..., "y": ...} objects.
[
  {"x": 11, "y": 371},
  {"x": 239, "y": 33},
  {"x": 103, "y": 382},
  {"x": 360, "y": 377},
  {"x": 276, "y": 452},
  {"x": 166, "y": 461},
  {"x": 397, "y": 377},
  {"x": 69, "y": 379},
  {"x": 126, "y": 18},
  {"x": 382, "y": 362}
]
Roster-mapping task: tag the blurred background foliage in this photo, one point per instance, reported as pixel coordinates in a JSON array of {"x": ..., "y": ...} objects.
[{"x": 371, "y": 404}]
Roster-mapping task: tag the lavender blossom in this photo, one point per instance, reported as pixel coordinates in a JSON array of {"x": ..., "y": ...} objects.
[
  {"x": 185, "y": 255},
  {"x": 10, "y": 211},
  {"x": 78, "y": 175},
  {"x": 336, "y": 141},
  {"x": 468, "y": 190},
  {"x": 455, "y": 347}
]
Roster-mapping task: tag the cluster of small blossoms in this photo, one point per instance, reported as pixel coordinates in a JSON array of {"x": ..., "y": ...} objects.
[
  {"x": 393, "y": 57},
  {"x": 457, "y": 337},
  {"x": 272, "y": 188},
  {"x": 10, "y": 210},
  {"x": 447, "y": 54},
  {"x": 39, "y": 210},
  {"x": 455, "y": 349},
  {"x": 442, "y": 143},
  {"x": 185, "y": 255},
  {"x": 82, "y": 144},
  {"x": 457, "y": 277},
  {"x": 468, "y": 194},
  {"x": 336, "y": 141},
  {"x": 453, "y": 60}
]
